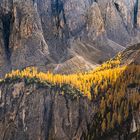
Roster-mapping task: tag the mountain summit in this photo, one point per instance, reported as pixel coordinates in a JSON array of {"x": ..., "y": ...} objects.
[{"x": 65, "y": 36}]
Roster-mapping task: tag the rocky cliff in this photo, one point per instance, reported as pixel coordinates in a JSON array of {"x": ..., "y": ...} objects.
[
  {"x": 60, "y": 34},
  {"x": 33, "y": 111},
  {"x": 66, "y": 36}
]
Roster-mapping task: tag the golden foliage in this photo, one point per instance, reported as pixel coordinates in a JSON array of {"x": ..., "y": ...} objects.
[
  {"x": 102, "y": 78},
  {"x": 109, "y": 82}
]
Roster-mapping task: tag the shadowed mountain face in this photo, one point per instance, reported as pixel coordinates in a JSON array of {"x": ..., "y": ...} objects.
[{"x": 63, "y": 34}]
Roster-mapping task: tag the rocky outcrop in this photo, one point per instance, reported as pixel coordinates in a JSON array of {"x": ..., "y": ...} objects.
[
  {"x": 33, "y": 111},
  {"x": 131, "y": 55},
  {"x": 48, "y": 33},
  {"x": 21, "y": 33}
]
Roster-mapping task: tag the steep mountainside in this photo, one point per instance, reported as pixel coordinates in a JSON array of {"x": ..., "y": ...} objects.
[
  {"x": 69, "y": 36},
  {"x": 54, "y": 34},
  {"x": 31, "y": 109},
  {"x": 101, "y": 104}
]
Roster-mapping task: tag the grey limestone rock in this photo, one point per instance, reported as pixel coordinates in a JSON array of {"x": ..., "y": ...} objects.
[{"x": 47, "y": 33}]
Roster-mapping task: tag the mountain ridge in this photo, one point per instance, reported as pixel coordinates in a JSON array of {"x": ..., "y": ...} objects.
[
  {"x": 45, "y": 33},
  {"x": 55, "y": 82}
]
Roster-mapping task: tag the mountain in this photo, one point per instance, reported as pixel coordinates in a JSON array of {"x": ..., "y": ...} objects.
[
  {"x": 59, "y": 35},
  {"x": 101, "y": 104},
  {"x": 32, "y": 112},
  {"x": 67, "y": 38}
]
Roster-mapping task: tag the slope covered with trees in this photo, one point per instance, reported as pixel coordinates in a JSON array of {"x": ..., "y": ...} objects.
[{"x": 113, "y": 88}]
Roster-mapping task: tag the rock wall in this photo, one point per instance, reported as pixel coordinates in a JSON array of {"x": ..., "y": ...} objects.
[
  {"x": 21, "y": 34},
  {"x": 47, "y": 33},
  {"x": 32, "y": 112}
]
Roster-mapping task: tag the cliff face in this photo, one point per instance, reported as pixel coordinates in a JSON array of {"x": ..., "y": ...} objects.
[
  {"x": 52, "y": 34},
  {"x": 22, "y": 40},
  {"x": 63, "y": 36},
  {"x": 32, "y": 112}
]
